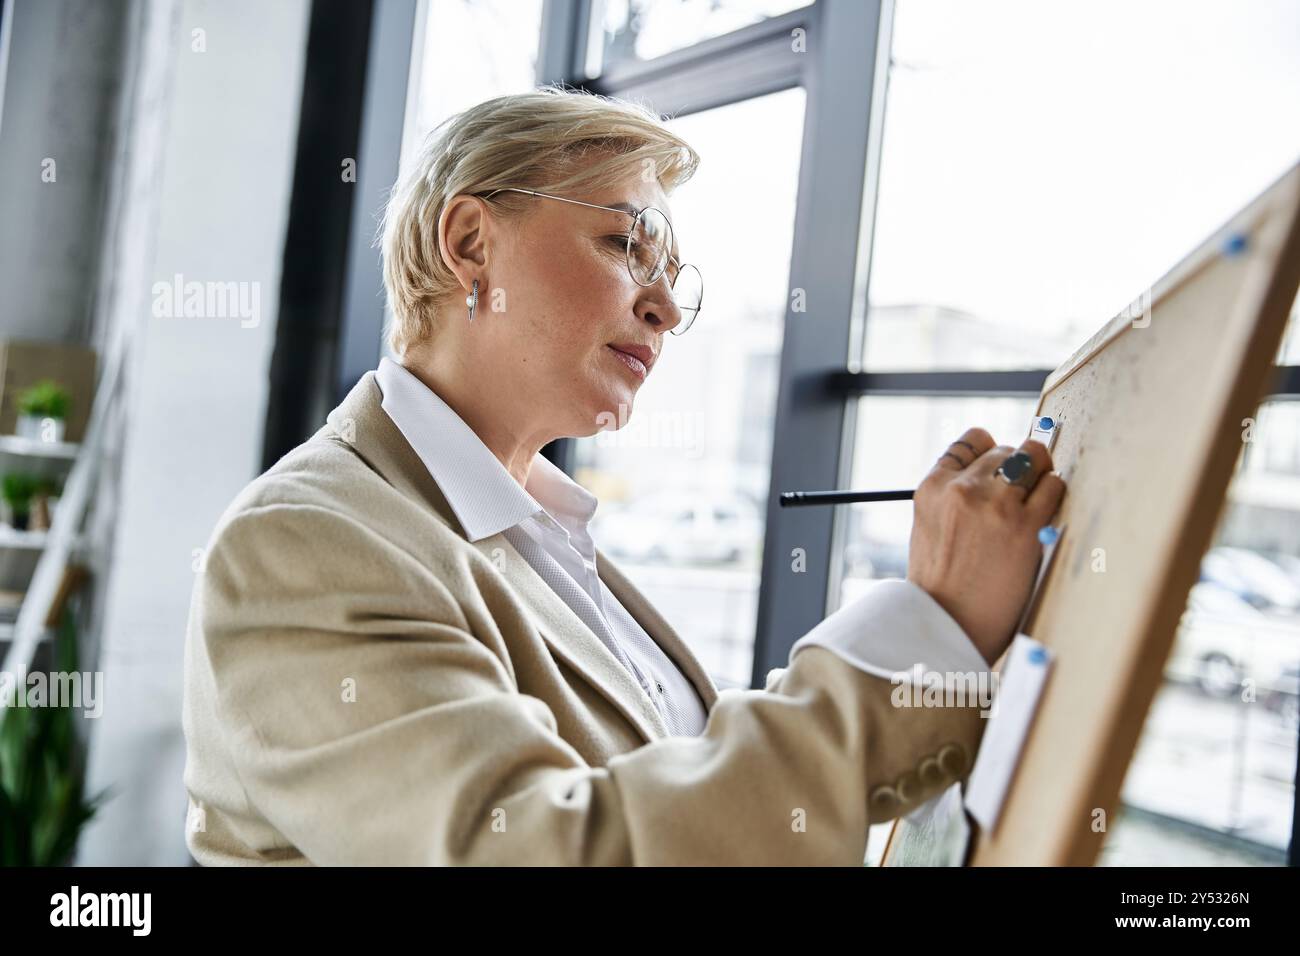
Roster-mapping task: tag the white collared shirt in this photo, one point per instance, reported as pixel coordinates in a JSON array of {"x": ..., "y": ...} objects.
[
  {"x": 887, "y": 632},
  {"x": 547, "y": 523}
]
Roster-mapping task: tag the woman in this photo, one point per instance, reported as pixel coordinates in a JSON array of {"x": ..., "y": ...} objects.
[{"x": 405, "y": 647}]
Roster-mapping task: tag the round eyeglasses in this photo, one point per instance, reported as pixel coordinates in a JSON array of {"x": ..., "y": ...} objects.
[{"x": 649, "y": 255}]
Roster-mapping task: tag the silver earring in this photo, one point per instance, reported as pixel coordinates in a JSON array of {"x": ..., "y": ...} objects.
[{"x": 471, "y": 300}]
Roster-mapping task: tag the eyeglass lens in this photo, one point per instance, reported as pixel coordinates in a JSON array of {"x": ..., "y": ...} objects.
[{"x": 648, "y": 255}]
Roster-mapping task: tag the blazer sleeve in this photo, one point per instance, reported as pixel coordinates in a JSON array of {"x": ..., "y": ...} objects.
[{"x": 369, "y": 725}]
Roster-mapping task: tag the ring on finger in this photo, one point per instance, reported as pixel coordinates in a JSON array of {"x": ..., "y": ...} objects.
[
  {"x": 1017, "y": 470},
  {"x": 948, "y": 454}
]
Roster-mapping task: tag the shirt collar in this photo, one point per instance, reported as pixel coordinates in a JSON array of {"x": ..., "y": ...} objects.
[{"x": 484, "y": 496}]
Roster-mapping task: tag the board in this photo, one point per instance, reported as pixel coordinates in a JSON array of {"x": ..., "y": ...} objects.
[{"x": 1155, "y": 410}]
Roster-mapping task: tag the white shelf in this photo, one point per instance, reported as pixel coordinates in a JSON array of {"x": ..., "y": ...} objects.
[
  {"x": 7, "y": 633},
  {"x": 32, "y": 448},
  {"x": 21, "y": 540}
]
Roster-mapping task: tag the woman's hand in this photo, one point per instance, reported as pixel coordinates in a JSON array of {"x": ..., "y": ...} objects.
[{"x": 975, "y": 545}]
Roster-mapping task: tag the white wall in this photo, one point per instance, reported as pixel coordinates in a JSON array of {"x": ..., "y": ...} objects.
[
  {"x": 61, "y": 83},
  {"x": 195, "y": 402}
]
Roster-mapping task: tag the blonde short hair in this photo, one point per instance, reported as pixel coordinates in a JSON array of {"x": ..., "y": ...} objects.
[{"x": 537, "y": 140}]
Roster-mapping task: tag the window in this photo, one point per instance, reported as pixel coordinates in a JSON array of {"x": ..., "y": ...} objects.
[
  {"x": 1044, "y": 163},
  {"x": 1289, "y": 354},
  {"x": 1219, "y": 747},
  {"x": 624, "y": 31},
  {"x": 1041, "y": 165},
  {"x": 895, "y": 447},
  {"x": 469, "y": 52},
  {"x": 701, "y": 430}
]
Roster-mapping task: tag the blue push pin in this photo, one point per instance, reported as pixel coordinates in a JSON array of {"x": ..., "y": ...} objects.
[
  {"x": 1047, "y": 536},
  {"x": 1046, "y": 423},
  {"x": 1235, "y": 244},
  {"x": 1037, "y": 656}
]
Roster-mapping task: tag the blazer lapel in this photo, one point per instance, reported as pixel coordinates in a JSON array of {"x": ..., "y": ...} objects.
[
  {"x": 360, "y": 421},
  {"x": 570, "y": 639},
  {"x": 660, "y": 631}
]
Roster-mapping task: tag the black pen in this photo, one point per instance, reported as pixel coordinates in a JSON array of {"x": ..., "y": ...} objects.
[{"x": 790, "y": 499}]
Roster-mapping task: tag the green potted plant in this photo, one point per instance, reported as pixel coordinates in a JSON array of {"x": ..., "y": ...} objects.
[
  {"x": 43, "y": 804},
  {"x": 43, "y": 411},
  {"x": 17, "y": 489}
]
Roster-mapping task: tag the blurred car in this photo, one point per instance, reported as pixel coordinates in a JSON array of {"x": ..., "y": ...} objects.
[
  {"x": 671, "y": 528},
  {"x": 1223, "y": 640},
  {"x": 1289, "y": 563},
  {"x": 1284, "y": 700},
  {"x": 1252, "y": 577}
]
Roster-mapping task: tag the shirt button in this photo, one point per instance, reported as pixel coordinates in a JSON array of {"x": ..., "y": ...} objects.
[{"x": 659, "y": 686}]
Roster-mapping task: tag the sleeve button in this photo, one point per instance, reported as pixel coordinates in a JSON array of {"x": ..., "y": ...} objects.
[
  {"x": 952, "y": 758},
  {"x": 884, "y": 802},
  {"x": 931, "y": 773},
  {"x": 908, "y": 787}
]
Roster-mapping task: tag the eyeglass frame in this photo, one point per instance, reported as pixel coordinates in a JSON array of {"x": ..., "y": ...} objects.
[{"x": 628, "y": 250}]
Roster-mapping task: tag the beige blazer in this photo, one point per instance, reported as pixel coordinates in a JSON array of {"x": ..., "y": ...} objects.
[{"x": 365, "y": 686}]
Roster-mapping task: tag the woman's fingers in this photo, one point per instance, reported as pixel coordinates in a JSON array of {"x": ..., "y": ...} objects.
[
  {"x": 973, "y": 443},
  {"x": 982, "y": 470},
  {"x": 1045, "y": 500},
  {"x": 1023, "y": 475},
  {"x": 973, "y": 545}
]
